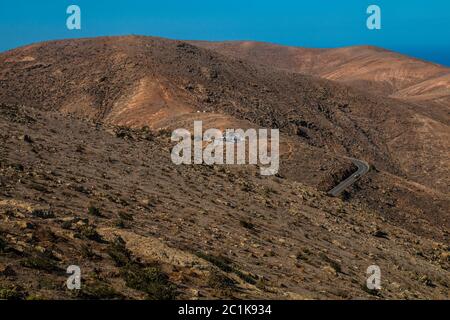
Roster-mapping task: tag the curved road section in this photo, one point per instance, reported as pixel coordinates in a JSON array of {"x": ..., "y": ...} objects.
[{"x": 363, "y": 168}]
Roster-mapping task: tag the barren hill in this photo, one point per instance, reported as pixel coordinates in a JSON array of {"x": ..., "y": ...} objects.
[
  {"x": 140, "y": 81},
  {"x": 92, "y": 116},
  {"x": 109, "y": 200},
  {"x": 366, "y": 67}
]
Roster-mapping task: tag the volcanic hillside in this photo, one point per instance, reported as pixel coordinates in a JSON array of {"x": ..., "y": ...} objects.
[
  {"x": 366, "y": 67},
  {"x": 143, "y": 81},
  {"x": 85, "y": 157},
  {"x": 140, "y": 81},
  {"x": 109, "y": 200}
]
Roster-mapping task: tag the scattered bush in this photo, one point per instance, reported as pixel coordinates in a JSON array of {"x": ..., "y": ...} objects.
[
  {"x": 98, "y": 291},
  {"x": 17, "y": 167},
  {"x": 150, "y": 280},
  {"x": 40, "y": 262},
  {"x": 118, "y": 251},
  {"x": 66, "y": 225},
  {"x": 125, "y": 216},
  {"x": 373, "y": 292},
  {"x": 124, "y": 133},
  {"x": 304, "y": 255},
  {"x": 165, "y": 132},
  {"x": 120, "y": 224},
  {"x": 334, "y": 264},
  {"x": 138, "y": 276},
  {"x": 27, "y": 139},
  {"x": 94, "y": 211},
  {"x": 217, "y": 280},
  {"x": 380, "y": 234},
  {"x": 247, "y": 225},
  {"x": 223, "y": 263},
  {"x": 89, "y": 232},
  {"x": 12, "y": 293},
  {"x": 247, "y": 187},
  {"x": 3, "y": 244},
  {"x": 245, "y": 277},
  {"x": 87, "y": 252}
]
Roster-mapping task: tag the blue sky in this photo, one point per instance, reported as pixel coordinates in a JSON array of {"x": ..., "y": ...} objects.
[{"x": 416, "y": 27}]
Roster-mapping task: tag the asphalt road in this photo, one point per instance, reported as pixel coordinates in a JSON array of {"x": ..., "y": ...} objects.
[{"x": 363, "y": 168}]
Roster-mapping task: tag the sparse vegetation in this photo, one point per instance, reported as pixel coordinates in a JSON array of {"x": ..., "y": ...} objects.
[
  {"x": 149, "y": 279},
  {"x": 3, "y": 243},
  {"x": 94, "y": 211},
  {"x": 18, "y": 167},
  {"x": 218, "y": 280},
  {"x": 88, "y": 252},
  {"x": 125, "y": 216},
  {"x": 98, "y": 290},
  {"x": 247, "y": 224},
  {"x": 250, "y": 227},
  {"x": 223, "y": 263},
  {"x": 380, "y": 234},
  {"x": 165, "y": 132},
  {"x": 27, "y": 139},
  {"x": 89, "y": 232},
  {"x": 124, "y": 133},
  {"x": 334, "y": 264},
  {"x": 40, "y": 262},
  {"x": 304, "y": 254},
  {"x": 118, "y": 251},
  {"x": 373, "y": 292},
  {"x": 120, "y": 224},
  {"x": 247, "y": 186},
  {"x": 11, "y": 293},
  {"x": 146, "y": 278},
  {"x": 246, "y": 277}
]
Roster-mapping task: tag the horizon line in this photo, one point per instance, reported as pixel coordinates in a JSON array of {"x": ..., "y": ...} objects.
[{"x": 408, "y": 55}]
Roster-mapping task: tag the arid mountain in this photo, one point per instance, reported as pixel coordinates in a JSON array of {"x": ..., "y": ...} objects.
[
  {"x": 140, "y": 81},
  {"x": 133, "y": 90},
  {"x": 109, "y": 200},
  {"x": 369, "y": 68},
  {"x": 435, "y": 90}
]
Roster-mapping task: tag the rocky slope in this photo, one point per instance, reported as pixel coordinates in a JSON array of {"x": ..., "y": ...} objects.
[
  {"x": 86, "y": 172},
  {"x": 369, "y": 68},
  {"x": 109, "y": 200},
  {"x": 137, "y": 81}
]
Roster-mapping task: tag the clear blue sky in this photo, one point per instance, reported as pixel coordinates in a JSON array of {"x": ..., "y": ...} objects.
[{"x": 415, "y": 27}]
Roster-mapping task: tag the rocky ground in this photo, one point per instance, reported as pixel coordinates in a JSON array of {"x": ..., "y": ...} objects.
[
  {"x": 108, "y": 198},
  {"x": 138, "y": 81},
  {"x": 86, "y": 177}
]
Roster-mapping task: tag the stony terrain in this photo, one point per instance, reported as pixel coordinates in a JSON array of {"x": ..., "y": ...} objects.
[
  {"x": 86, "y": 179},
  {"x": 370, "y": 68},
  {"x": 109, "y": 200}
]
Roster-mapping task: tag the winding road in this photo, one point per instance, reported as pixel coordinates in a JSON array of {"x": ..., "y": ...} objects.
[{"x": 363, "y": 168}]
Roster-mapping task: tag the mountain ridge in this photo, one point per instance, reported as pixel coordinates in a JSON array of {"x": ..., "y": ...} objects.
[
  {"x": 344, "y": 64},
  {"x": 142, "y": 81}
]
